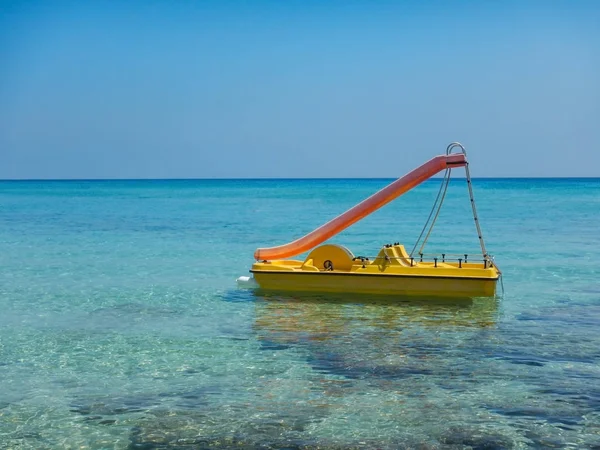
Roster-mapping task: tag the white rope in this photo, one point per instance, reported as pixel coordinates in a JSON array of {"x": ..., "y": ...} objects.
[
  {"x": 437, "y": 213},
  {"x": 442, "y": 194}
]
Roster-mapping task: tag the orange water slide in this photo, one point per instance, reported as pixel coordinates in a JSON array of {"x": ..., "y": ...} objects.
[{"x": 364, "y": 208}]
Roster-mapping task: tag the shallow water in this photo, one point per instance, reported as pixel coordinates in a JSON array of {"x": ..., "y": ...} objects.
[{"x": 121, "y": 325}]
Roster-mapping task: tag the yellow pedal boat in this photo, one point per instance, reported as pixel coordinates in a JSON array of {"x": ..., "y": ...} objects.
[{"x": 333, "y": 268}]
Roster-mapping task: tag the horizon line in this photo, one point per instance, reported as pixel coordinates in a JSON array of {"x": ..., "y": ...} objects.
[{"x": 292, "y": 178}]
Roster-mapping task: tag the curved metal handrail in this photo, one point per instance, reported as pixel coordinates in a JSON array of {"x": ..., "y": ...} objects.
[{"x": 454, "y": 145}]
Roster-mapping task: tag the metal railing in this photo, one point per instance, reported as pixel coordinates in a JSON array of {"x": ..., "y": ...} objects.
[{"x": 435, "y": 258}]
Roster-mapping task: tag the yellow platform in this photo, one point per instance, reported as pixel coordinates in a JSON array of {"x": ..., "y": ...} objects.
[{"x": 333, "y": 268}]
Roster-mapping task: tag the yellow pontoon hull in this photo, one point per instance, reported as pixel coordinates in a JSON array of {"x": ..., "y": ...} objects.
[{"x": 402, "y": 285}]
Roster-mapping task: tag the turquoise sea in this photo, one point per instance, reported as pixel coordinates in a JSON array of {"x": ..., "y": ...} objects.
[{"x": 121, "y": 325}]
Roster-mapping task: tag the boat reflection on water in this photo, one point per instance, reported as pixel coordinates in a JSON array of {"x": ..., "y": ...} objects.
[
  {"x": 330, "y": 314},
  {"x": 359, "y": 336}
]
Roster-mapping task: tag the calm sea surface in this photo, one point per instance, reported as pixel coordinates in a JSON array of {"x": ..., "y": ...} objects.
[{"x": 121, "y": 325}]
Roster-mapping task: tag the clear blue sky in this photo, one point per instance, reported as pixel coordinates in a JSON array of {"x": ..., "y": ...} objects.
[{"x": 194, "y": 89}]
